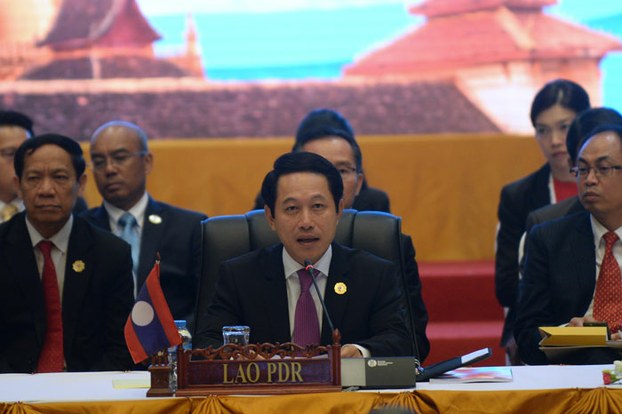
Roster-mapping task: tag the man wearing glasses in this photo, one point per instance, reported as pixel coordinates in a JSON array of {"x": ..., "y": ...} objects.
[
  {"x": 572, "y": 266},
  {"x": 121, "y": 161}
]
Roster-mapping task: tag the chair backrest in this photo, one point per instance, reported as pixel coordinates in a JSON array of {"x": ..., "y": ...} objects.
[{"x": 226, "y": 237}]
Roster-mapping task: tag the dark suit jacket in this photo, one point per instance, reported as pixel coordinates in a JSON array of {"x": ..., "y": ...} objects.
[
  {"x": 96, "y": 301},
  {"x": 251, "y": 290},
  {"x": 414, "y": 298},
  {"x": 368, "y": 199},
  {"x": 371, "y": 199},
  {"x": 558, "y": 283},
  {"x": 566, "y": 207},
  {"x": 178, "y": 240},
  {"x": 517, "y": 200}
]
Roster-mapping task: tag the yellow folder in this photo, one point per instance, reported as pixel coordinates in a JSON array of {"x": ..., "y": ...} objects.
[{"x": 573, "y": 335}]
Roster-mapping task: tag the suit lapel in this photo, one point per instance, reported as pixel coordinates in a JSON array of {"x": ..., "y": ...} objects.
[
  {"x": 336, "y": 303},
  {"x": 78, "y": 273},
  {"x": 584, "y": 254},
  {"x": 99, "y": 216},
  {"x": 540, "y": 194},
  {"x": 21, "y": 257},
  {"x": 151, "y": 236},
  {"x": 277, "y": 314}
]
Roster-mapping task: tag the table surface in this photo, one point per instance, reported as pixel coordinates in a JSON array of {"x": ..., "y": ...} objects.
[{"x": 98, "y": 386}]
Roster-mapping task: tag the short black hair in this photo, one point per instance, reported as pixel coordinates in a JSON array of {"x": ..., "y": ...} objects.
[
  {"x": 297, "y": 162},
  {"x": 586, "y": 122},
  {"x": 14, "y": 118},
  {"x": 69, "y": 145},
  {"x": 615, "y": 128},
  {"x": 568, "y": 94},
  {"x": 323, "y": 122}
]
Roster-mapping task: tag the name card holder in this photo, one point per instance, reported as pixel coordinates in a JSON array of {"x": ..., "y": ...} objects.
[{"x": 252, "y": 369}]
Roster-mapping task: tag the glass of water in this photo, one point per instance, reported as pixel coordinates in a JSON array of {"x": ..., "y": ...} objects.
[{"x": 237, "y": 334}]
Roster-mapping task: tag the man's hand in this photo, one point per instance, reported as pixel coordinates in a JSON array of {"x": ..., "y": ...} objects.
[
  {"x": 579, "y": 321},
  {"x": 350, "y": 351}
]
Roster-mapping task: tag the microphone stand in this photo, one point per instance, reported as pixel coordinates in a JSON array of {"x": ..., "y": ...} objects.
[{"x": 335, "y": 332}]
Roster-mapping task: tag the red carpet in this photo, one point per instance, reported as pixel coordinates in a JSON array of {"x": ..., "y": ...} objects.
[{"x": 464, "y": 313}]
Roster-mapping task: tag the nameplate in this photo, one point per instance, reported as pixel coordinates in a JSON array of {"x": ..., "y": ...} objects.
[{"x": 258, "y": 369}]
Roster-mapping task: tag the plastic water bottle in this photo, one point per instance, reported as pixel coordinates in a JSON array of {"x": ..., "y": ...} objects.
[{"x": 186, "y": 344}]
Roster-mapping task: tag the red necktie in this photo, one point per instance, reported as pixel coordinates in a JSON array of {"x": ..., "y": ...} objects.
[
  {"x": 608, "y": 294},
  {"x": 51, "y": 358},
  {"x": 306, "y": 325}
]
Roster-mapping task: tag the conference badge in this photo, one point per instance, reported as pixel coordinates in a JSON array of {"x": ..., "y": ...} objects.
[
  {"x": 340, "y": 288},
  {"x": 155, "y": 219},
  {"x": 78, "y": 266}
]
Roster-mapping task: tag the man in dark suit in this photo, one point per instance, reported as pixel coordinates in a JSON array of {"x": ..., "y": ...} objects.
[
  {"x": 342, "y": 150},
  {"x": 324, "y": 123},
  {"x": 579, "y": 131},
  {"x": 560, "y": 284},
  {"x": 65, "y": 286},
  {"x": 265, "y": 289},
  {"x": 121, "y": 162}
]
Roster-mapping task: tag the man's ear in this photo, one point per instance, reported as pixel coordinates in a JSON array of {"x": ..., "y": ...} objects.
[
  {"x": 359, "y": 183},
  {"x": 268, "y": 213},
  {"x": 340, "y": 211},
  {"x": 81, "y": 185},
  {"x": 148, "y": 163},
  {"x": 17, "y": 187}
]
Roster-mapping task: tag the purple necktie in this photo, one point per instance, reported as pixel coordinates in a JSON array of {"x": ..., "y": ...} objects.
[{"x": 306, "y": 325}]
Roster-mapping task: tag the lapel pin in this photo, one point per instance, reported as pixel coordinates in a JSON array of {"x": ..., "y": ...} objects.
[
  {"x": 155, "y": 219},
  {"x": 340, "y": 288},
  {"x": 78, "y": 266}
]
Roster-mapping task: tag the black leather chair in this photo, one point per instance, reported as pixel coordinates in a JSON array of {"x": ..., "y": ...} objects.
[{"x": 226, "y": 237}]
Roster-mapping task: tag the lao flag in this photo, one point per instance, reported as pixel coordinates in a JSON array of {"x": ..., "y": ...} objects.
[{"x": 150, "y": 327}]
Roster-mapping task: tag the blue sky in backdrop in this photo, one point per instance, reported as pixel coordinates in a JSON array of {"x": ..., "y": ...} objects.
[{"x": 245, "y": 40}]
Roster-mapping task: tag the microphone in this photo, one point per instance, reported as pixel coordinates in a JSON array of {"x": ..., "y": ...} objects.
[{"x": 309, "y": 268}]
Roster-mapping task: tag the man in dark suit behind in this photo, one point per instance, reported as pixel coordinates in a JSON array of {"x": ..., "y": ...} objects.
[
  {"x": 327, "y": 133},
  {"x": 262, "y": 289},
  {"x": 565, "y": 257},
  {"x": 15, "y": 128},
  {"x": 62, "y": 308},
  {"x": 121, "y": 162}
]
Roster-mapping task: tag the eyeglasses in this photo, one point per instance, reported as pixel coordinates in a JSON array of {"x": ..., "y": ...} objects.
[
  {"x": 599, "y": 171},
  {"x": 8, "y": 153},
  {"x": 346, "y": 171},
  {"x": 99, "y": 162}
]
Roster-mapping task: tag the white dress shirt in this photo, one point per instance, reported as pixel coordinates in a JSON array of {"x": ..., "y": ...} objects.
[
  {"x": 322, "y": 267},
  {"x": 138, "y": 211},
  {"x": 599, "y": 231},
  {"x": 59, "y": 251}
]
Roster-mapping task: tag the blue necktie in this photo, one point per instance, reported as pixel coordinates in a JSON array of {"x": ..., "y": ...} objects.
[{"x": 127, "y": 224}]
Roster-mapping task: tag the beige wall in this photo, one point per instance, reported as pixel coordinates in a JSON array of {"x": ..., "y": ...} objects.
[{"x": 445, "y": 187}]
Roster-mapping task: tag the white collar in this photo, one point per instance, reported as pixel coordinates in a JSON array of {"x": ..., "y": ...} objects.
[
  {"x": 291, "y": 266},
  {"x": 60, "y": 239},
  {"x": 599, "y": 231},
  {"x": 137, "y": 210}
]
